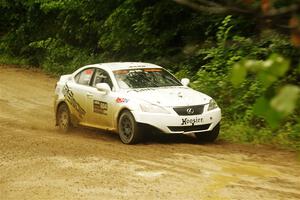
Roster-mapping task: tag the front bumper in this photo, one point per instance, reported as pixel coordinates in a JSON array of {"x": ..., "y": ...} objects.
[{"x": 174, "y": 123}]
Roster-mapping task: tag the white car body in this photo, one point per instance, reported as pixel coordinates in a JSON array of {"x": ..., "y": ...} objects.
[{"x": 172, "y": 109}]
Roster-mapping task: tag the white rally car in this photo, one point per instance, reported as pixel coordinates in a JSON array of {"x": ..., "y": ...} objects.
[{"x": 126, "y": 97}]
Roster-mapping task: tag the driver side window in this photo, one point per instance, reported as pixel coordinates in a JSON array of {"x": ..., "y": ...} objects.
[{"x": 101, "y": 76}]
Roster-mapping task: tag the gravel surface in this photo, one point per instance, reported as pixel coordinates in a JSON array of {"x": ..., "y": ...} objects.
[{"x": 39, "y": 162}]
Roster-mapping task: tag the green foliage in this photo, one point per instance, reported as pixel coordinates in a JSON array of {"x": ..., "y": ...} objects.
[
  {"x": 60, "y": 58},
  {"x": 245, "y": 75},
  {"x": 263, "y": 108},
  {"x": 243, "y": 133},
  {"x": 285, "y": 101},
  {"x": 268, "y": 72},
  {"x": 9, "y": 60}
]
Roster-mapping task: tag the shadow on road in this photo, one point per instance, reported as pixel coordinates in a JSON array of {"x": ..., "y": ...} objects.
[{"x": 149, "y": 138}]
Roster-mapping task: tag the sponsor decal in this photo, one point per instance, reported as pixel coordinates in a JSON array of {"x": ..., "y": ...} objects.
[
  {"x": 137, "y": 70},
  {"x": 100, "y": 107},
  {"x": 139, "y": 66},
  {"x": 152, "y": 70},
  {"x": 69, "y": 96},
  {"x": 187, "y": 121},
  {"x": 122, "y": 100},
  {"x": 121, "y": 72},
  {"x": 143, "y": 89}
]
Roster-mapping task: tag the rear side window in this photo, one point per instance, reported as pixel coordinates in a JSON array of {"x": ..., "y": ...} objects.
[{"x": 84, "y": 77}]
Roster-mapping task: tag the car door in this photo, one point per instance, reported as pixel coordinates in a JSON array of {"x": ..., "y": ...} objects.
[
  {"x": 100, "y": 107},
  {"x": 77, "y": 94}
]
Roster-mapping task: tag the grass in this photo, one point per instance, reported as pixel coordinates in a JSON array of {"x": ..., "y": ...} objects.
[{"x": 9, "y": 60}]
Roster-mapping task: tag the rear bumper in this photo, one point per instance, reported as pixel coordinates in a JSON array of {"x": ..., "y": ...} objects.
[{"x": 175, "y": 124}]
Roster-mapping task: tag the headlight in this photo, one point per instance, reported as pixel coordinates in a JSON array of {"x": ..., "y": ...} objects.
[
  {"x": 212, "y": 105},
  {"x": 151, "y": 108}
]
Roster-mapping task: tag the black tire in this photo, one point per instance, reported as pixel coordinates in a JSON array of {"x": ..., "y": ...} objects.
[
  {"x": 128, "y": 128},
  {"x": 63, "y": 118},
  {"x": 209, "y": 136}
]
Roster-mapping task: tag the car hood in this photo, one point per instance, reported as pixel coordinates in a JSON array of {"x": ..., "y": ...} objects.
[{"x": 169, "y": 96}]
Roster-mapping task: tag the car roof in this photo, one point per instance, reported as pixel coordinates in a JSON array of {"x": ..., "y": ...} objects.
[{"x": 113, "y": 66}]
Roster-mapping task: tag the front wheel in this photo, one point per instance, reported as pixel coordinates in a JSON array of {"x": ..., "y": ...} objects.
[
  {"x": 209, "y": 136},
  {"x": 128, "y": 129},
  {"x": 63, "y": 118}
]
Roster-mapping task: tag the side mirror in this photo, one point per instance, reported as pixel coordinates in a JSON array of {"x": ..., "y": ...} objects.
[
  {"x": 103, "y": 87},
  {"x": 185, "y": 81}
]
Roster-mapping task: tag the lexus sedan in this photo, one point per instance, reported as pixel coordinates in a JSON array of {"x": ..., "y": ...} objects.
[{"x": 127, "y": 97}]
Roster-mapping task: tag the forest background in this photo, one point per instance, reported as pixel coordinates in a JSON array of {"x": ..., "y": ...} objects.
[{"x": 243, "y": 53}]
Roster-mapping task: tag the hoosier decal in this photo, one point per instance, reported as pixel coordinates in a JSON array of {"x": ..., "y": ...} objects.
[
  {"x": 69, "y": 96},
  {"x": 100, "y": 107},
  {"x": 187, "y": 121}
]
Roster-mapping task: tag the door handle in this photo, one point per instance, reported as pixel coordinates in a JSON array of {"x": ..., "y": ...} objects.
[{"x": 89, "y": 95}]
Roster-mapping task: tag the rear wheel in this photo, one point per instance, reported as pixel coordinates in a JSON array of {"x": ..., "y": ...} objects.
[
  {"x": 128, "y": 128},
  {"x": 63, "y": 118},
  {"x": 209, "y": 136}
]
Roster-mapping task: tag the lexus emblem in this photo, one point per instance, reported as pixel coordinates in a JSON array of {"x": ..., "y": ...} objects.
[{"x": 190, "y": 111}]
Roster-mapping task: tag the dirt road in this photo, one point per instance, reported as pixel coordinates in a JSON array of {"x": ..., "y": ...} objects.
[{"x": 39, "y": 162}]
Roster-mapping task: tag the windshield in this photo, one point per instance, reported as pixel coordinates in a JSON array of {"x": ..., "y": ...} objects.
[{"x": 144, "y": 78}]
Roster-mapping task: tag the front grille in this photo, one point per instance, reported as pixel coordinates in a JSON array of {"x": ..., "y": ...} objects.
[
  {"x": 189, "y": 128},
  {"x": 189, "y": 110}
]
